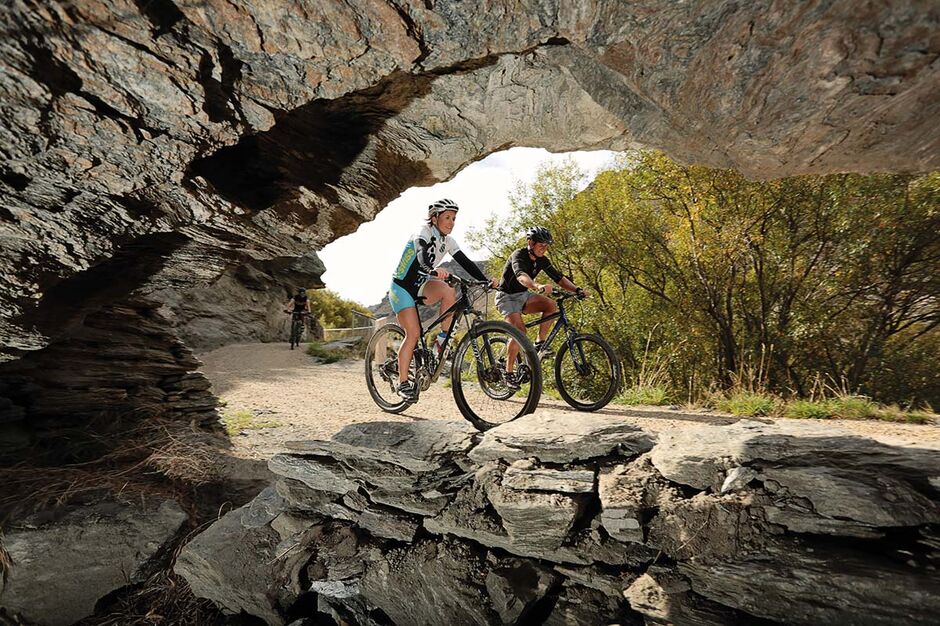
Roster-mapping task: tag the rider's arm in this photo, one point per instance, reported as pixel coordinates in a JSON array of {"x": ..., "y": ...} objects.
[
  {"x": 526, "y": 281},
  {"x": 565, "y": 283},
  {"x": 424, "y": 251},
  {"x": 468, "y": 265}
]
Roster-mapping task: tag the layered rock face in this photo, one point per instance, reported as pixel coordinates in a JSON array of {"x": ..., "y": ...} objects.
[
  {"x": 562, "y": 519},
  {"x": 245, "y": 304},
  {"x": 122, "y": 362},
  {"x": 186, "y": 138}
]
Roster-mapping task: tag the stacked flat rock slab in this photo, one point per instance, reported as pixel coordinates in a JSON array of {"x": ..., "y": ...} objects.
[{"x": 562, "y": 518}]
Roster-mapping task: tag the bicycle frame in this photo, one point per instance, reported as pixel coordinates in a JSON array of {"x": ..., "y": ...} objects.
[
  {"x": 462, "y": 309},
  {"x": 570, "y": 332}
]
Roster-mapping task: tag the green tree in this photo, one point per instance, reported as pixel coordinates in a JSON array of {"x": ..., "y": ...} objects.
[
  {"x": 806, "y": 276},
  {"x": 334, "y": 311}
]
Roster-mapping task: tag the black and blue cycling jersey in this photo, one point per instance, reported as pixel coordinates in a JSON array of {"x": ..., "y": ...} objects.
[{"x": 423, "y": 253}]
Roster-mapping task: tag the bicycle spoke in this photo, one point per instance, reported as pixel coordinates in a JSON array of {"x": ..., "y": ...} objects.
[
  {"x": 487, "y": 397},
  {"x": 587, "y": 375},
  {"x": 382, "y": 368}
]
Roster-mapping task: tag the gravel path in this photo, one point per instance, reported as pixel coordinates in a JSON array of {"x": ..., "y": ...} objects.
[{"x": 308, "y": 400}]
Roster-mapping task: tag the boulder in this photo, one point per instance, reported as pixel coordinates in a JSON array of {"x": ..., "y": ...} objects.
[
  {"x": 230, "y": 563},
  {"x": 67, "y": 560}
]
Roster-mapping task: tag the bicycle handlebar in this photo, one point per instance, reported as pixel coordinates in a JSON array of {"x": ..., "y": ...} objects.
[
  {"x": 453, "y": 279},
  {"x": 566, "y": 295}
]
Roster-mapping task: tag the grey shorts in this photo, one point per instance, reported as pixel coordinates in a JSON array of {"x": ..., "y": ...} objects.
[{"x": 509, "y": 303}]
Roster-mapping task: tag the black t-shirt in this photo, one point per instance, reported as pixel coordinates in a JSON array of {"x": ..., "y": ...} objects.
[
  {"x": 300, "y": 303},
  {"x": 521, "y": 263}
]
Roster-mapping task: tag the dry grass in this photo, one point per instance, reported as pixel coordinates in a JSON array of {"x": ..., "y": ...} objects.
[
  {"x": 164, "y": 598},
  {"x": 157, "y": 456},
  {"x": 6, "y": 563}
]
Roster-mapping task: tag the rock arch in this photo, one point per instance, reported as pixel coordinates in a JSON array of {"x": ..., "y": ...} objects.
[{"x": 180, "y": 140}]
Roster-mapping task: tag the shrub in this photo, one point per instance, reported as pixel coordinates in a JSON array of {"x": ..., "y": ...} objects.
[
  {"x": 852, "y": 407},
  {"x": 746, "y": 403},
  {"x": 807, "y": 409},
  {"x": 894, "y": 413},
  {"x": 644, "y": 394},
  {"x": 316, "y": 349}
]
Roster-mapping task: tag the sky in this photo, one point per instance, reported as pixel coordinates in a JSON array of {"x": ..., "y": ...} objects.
[{"x": 359, "y": 266}]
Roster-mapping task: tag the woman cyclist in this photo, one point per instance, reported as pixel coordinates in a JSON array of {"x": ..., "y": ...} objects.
[{"x": 414, "y": 283}]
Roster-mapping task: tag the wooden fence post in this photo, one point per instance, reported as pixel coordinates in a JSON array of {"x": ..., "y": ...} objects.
[{"x": 380, "y": 347}]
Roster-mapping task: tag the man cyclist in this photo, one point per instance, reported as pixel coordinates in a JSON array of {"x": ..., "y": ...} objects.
[
  {"x": 298, "y": 305},
  {"x": 515, "y": 298},
  {"x": 411, "y": 286}
]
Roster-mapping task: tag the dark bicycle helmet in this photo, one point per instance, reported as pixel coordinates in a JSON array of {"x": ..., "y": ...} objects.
[
  {"x": 440, "y": 206},
  {"x": 301, "y": 291},
  {"x": 539, "y": 234}
]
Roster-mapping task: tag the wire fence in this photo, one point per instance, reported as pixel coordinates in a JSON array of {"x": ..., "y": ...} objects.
[{"x": 332, "y": 334}]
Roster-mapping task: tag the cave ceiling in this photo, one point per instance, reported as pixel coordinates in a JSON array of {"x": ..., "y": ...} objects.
[{"x": 151, "y": 144}]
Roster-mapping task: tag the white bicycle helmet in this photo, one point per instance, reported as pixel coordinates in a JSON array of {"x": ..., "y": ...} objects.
[{"x": 440, "y": 206}]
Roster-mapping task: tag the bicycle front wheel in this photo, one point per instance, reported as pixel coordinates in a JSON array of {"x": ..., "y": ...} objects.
[
  {"x": 483, "y": 392},
  {"x": 382, "y": 368},
  {"x": 295, "y": 332},
  {"x": 587, "y": 372}
]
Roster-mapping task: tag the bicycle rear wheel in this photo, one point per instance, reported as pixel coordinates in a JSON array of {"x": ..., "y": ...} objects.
[
  {"x": 481, "y": 389},
  {"x": 588, "y": 377},
  {"x": 382, "y": 368}
]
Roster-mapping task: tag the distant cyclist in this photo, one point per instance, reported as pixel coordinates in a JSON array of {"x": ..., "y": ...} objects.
[
  {"x": 299, "y": 304},
  {"x": 514, "y": 298},
  {"x": 414, "y": 283}
]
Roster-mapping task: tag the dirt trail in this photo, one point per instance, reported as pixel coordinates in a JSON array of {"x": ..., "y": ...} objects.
[{"x": 308, "y": 400}]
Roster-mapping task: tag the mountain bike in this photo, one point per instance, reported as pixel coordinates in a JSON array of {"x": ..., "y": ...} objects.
[
  {"x": 587, "y": 370},
  {"x": 297, "y": 324},
  {"x": 484, "y": 392}
]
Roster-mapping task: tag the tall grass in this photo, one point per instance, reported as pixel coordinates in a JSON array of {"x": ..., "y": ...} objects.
[{"x": 651, "y": 383}]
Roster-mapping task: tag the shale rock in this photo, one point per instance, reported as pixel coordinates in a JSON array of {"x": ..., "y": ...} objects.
[
  {"x": 798, "y": 584},
  {"x": 231, "y": 562},
  {"x": 561, "y": 437},
  {"x": 65, "y": 561},
  {"x": 244, "y": 305},
  {"x": 602, "y": 537}
]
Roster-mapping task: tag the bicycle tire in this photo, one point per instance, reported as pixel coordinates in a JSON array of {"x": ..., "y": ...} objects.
[
  {"x": 612, "y": 381},
  {"x": 464, "y": 393},
  {"x": 391, "y": 352},
  {"x": 293, "y": 334},
  {"x": 503, "y": 394}
]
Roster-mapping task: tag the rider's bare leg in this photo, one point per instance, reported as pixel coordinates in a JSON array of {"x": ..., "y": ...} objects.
[
  {"x": 535, "y": 304},
  {"x": 438, "y": 291},
  {"x": 408, "y": 319},
  {"x": 512, "y": 349},
  {"x": 545, "y": 306}
]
